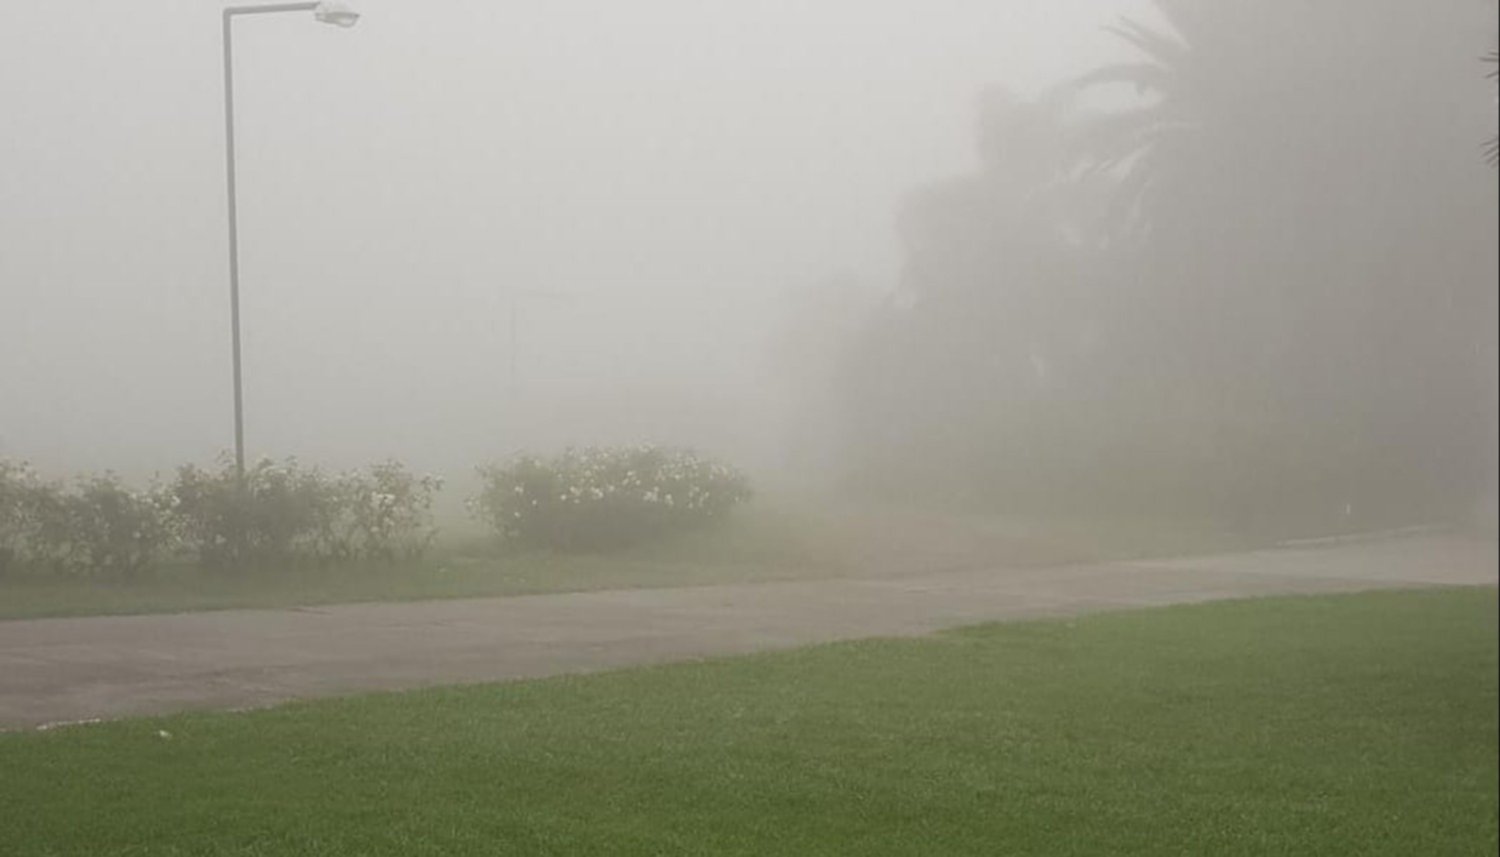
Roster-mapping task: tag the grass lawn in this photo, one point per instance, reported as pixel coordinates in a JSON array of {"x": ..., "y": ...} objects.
[
  {"x": 757, "y": 544},
  {"x": 1352, "y": 725}
]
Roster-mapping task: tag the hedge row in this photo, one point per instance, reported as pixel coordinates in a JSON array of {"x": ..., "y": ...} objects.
[{"x": 283, "y": 512}]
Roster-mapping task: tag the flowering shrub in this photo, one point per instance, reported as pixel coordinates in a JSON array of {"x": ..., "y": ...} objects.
[
  {"x": 282, "y": 513},
  {"x": 99, "y": 528},
  {"x": 25, "y": 502},
  {"x": 593, "y": 498},
  {"x": 387, "y": 512},
  {"x": 109, "y": 530},
  {"x": 285, "y": 512}
]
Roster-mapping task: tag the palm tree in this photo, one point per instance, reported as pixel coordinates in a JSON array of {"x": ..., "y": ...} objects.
[
  {"x": 1137, "y": 145},
  {"x": 1223, "y": 78},
  {"x": 1286, "y": 187},
  {"x": 1221, "y": 87}
]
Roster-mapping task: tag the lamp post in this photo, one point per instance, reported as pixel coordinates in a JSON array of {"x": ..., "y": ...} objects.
[{"x": 328, "y": 13}]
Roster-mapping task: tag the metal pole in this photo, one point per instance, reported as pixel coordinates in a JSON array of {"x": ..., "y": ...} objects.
[
  {"x": 234, "y": 246},
  {"x": 270, "y": 7},
  {"x": 234, "y": 234}
]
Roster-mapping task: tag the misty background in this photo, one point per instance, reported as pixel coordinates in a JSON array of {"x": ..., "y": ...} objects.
[
  {"x": 837, "y": 236},
  {"x": 669, "y": 172}
]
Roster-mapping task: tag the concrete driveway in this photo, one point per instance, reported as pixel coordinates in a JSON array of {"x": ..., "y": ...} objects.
[{"x": 58, "y": 670}]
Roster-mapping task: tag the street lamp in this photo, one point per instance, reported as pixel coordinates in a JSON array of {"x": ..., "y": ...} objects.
[{"x": 337, "y": 14}]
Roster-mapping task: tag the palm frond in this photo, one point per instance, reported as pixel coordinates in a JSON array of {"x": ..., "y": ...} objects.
[
  {"x": 1108, "y": 140},
  {"x": 1128, "y": 146},
  {"x": 1144, "y": 76},
  {"x": 1164, "y": 49},
  {"x": 1187, "y": 19}
]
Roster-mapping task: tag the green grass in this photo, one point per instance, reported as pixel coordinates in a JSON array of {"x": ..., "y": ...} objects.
[
  {"x": 762, "y": 543},
  {"x": 1354, "y": 725}
]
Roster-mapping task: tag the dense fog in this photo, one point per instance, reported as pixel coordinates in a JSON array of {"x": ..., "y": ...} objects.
[{"x": 1020, "y": 254}]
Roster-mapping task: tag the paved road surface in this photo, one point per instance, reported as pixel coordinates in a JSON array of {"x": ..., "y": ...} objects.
[{"x": 55, "y": 670}]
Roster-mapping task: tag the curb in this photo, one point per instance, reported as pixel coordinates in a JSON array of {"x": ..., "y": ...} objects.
[{"x": 1368, "y": 536}]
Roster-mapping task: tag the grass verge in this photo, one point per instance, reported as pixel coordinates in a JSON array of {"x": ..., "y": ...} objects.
[
  {"x": 757, "y": 544},
  {"x": 761, "y": 545},
  {"x": 1350, "y": 725}
]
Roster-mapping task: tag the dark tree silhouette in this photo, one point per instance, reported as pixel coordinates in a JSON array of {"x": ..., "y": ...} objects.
[
  {"x": 1267, "y": 285},
  {"x": 1308, "y": 251}
]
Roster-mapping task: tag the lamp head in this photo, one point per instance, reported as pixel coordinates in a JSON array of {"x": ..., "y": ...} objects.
[{"x": 338, "y": 14}]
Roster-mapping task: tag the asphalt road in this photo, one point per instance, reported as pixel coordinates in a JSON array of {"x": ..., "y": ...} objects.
[{"x": 64, "y": 670}]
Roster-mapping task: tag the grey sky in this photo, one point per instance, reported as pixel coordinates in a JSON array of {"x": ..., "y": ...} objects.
[{"x": 676, "y": 166}]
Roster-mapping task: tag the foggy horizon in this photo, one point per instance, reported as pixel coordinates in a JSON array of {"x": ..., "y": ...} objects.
[
  {"x": 954, "y": 427},
  {"x": 677, "y": 174}
]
